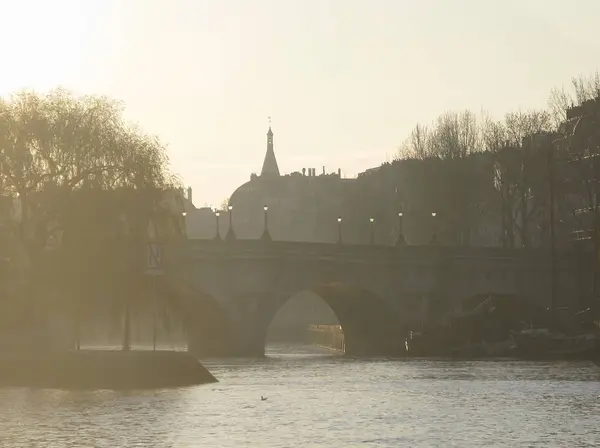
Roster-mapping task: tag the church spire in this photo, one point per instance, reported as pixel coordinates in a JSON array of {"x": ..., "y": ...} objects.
[{"x": 270, "y": 167}]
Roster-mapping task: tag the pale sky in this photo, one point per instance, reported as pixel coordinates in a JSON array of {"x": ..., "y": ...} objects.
[{"x": 343, "y": 80}]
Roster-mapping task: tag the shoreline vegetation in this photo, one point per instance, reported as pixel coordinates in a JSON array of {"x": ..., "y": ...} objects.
[{"x": 102, "y": 369}]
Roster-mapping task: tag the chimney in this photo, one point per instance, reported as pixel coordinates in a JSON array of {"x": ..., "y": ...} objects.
[
  {"x": 189, "y": 194},
  {"x": 323, "y": 170},
  {"x": 340, "y": 173}
]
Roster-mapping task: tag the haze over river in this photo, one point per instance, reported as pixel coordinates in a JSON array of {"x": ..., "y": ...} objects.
[{"x": 318, "y": 399}]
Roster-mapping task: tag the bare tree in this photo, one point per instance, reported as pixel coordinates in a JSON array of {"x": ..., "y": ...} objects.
[
  {"x": 225, "y": 205},
  {"x": 524, "y": 165},
  {"x": 417, "y": 145},
  {"x": 582, "y": 89},
  {"x": 494, "y": 137},
  {"x": 445, "y": 149},
  {"x": 455, "y": 136},
  {"x": 558, "y": 103},
  {"x": 452, "y": 135}
]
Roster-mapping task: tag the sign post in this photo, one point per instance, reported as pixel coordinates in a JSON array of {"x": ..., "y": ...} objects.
[
  {"x": 154, "y": 261},
  {"x": 154, "y": 267}
]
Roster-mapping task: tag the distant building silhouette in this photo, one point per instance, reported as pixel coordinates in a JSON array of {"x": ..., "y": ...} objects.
[
  {"x": 302, "y": 206},
  {"x": 580, "y": 200}
]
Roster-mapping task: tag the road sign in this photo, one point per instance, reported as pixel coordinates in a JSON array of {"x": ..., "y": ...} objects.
[{"x": 154, "y": 263}]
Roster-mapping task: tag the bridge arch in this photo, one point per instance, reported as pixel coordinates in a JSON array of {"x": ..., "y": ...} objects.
[
  {"x": 371, "y": 326},
  {"x": 205, "y": 322},
  {"x": 304, "y": 309}
]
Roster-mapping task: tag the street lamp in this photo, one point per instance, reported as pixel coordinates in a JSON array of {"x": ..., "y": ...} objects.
[
  {"x": 230, "y": 233},
  {"x": 339, "y": 221},
  {"x": 553, "y": 274},
  {"x": 401, "y": 241},
  {"x": 183, "y": 224},
  {"x": 434, "y": 236},
  {"x": 131, "y": 259},
  {"x": 218, "y": 234},
  {"x": 372, "y": 221},
  {"x": 265, "y": 235}
]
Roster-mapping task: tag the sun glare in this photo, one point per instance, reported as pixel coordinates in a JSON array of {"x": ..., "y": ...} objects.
[{"x": 44, "y": 43}]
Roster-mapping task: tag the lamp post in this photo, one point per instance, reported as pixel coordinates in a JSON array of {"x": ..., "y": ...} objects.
[
  {"x": 218, "y": 233},
  {"x": 265, "y": 235},
  {"x": 339, "y": 221},
  {"x": 154, "y": 319},
  {"x": 372, "y": 221},
  {"x": 132, "y": 266},
  {"x": 401, "y": 241},
  {"x": 184, "y": 226},
  {"x": 552, "y": 235},
  {"x": 230, "y": 233},
  {"x": 126, "y": 345},
  {"x": 136, "y": 245},
  {"x": 434, "y": 235}
]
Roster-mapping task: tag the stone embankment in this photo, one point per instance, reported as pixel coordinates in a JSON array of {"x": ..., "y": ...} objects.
[{"x": 327, "y": 336}]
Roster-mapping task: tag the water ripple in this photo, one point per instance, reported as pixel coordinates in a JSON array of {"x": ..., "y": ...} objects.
[{"x": 322, "y": 400}]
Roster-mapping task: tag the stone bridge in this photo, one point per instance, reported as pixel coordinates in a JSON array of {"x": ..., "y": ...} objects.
[{"x": 232, "y": 290}]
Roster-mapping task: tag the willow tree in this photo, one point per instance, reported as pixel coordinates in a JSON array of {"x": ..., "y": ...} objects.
[{"x": 87, "y": 181}]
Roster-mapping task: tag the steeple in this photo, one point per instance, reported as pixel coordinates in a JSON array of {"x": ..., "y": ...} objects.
[{"x": 270, "y": 167}]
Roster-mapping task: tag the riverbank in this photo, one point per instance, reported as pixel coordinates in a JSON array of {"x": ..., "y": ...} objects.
[
  {"x": 327, "y": 336},
  {"x": 102, "y": 369}
]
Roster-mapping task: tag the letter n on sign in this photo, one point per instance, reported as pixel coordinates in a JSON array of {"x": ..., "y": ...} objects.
[{"x": 154, "y": 264}]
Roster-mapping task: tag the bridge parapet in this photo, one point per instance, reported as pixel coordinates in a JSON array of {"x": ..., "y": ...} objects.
[
  {"x": 456, "y": 269},
  {"x": 259, "y": 248}
]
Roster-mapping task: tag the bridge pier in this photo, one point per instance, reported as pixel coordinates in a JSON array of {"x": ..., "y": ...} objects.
[
  {"x": 248, "y": 330},
  {"x": 250, "y": 348},
  {"x": 236, "y": 347},
  {"x": 247, "y": 341},
  {"x": 201, "y": 348}
]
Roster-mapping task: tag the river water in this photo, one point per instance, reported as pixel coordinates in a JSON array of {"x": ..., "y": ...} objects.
[{"x": 318, "y": 399}]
